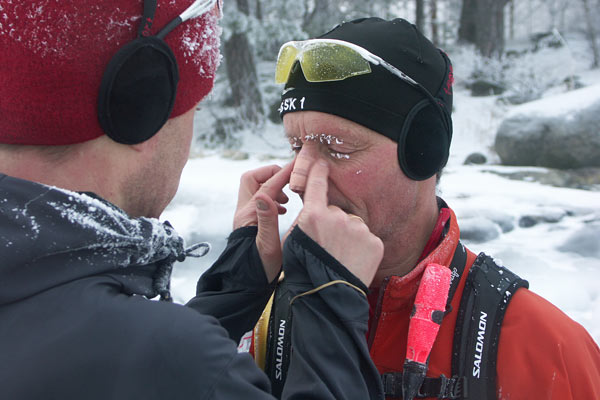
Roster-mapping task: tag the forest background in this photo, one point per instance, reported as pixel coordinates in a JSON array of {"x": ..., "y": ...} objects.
[{"x": 497, "y": 36}]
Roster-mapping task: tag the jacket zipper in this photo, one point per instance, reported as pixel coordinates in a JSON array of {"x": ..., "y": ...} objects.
[{"x": 377, "y": 312}]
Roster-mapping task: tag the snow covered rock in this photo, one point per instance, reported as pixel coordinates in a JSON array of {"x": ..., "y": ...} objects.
[
  {"x": 505, "y": 221},
  {"x": 475, "y": 159},
  {"x": 482, "y": 87},
  {"x": 584, "y": 242},
  {"x": 478, "y": 230},
  {"x": 562, "y": 131},
  {"x": 548, "y": 215},
  {"x": 578, "y": 178}
]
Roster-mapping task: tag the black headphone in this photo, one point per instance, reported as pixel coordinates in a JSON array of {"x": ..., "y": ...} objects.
[
  {"x": 139, "y": 85},
  {"x": 426, "y": 134}
]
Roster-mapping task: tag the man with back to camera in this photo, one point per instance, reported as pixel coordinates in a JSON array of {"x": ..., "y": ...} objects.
[
  {"x": 93, "y": 138},
  {"x": 373, "y": 99}
]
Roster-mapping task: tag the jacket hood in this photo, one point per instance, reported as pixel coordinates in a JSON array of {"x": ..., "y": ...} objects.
[{"x": 49, "y": 236}]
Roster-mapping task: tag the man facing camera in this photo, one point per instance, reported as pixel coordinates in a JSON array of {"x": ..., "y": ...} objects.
[{"x": 373, "y": 99}]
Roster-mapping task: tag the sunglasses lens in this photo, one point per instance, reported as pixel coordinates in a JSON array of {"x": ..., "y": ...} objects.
[
  {"x": 285, "y": 62},
  {"x": 327, "y": 62}
]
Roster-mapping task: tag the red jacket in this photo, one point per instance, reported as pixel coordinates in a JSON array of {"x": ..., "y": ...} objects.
[{"x": 542, "y": 354}]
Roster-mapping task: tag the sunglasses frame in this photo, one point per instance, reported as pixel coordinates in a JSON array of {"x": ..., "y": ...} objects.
[
  {"x": 370, "y": 57},
  {"x": 301, "y": 45}
]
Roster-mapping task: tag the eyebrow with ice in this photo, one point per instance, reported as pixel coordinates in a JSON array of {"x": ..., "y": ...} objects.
[{"x": 296, "y": 143}]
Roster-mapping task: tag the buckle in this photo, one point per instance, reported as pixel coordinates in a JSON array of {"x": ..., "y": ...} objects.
[
  {"x": 453, "y": 388},
  {"x": 392, "y": 384}
]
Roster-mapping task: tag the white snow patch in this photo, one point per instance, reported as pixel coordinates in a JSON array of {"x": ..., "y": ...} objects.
[{"x": 562, "y": 104}]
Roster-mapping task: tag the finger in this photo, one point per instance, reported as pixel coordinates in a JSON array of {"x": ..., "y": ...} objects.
[
  {"x": 302, "y": 165},
  {"x": 263, "y": 174},
  {"x": 281, "y": 210},
  {"x": 251, "y": 185},
  {"x": 315, "y": 195},
  {"x": 273, "y": 186},
  {"x": 282, "y": 198},
  {"x": 267, "y": 238},
  {"x": 356, "y": 218},
  {"x": 251, "y": 181}
]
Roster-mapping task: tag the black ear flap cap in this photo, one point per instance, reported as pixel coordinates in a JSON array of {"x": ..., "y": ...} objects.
[
  {"x": 423, "y": 144},
  {"x": 138, "y": 90}
]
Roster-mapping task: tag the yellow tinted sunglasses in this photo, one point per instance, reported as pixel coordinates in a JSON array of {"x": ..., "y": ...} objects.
[{"x": 327, "y": 60}]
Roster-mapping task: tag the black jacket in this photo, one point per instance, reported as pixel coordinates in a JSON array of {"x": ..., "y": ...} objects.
[{"x": 76, "y": 323}]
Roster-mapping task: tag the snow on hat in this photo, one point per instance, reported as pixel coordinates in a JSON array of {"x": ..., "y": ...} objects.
[
  {"x": 54, "y": 53},
  {"x": 378, "y": 100}
]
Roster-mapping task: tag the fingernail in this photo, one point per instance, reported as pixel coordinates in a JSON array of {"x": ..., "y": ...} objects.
[
  {"x": 261, "y": 205},
  {"x": 323, "y": 163},
  {"x": 296, "y": 188}
]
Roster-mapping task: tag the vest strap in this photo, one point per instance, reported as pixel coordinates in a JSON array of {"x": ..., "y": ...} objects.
[{"x": 486, "y": 296}]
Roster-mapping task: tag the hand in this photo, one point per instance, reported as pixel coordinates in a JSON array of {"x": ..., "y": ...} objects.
[
  {"x": 346, "y": 237},
  {"x": 259, "y": 203}
]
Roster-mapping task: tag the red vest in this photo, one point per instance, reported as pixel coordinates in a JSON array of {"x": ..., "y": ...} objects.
[{"x": 542, "y": 353}]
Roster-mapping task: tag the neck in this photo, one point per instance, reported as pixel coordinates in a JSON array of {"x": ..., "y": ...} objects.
[
  {"x": 75, "y": 167},
  {"x": 405, "y": 246}
]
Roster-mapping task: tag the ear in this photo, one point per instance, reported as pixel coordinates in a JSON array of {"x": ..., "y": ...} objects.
[
  {"x": 424, "y": 142},
  {"x": 138, "y": 89}
]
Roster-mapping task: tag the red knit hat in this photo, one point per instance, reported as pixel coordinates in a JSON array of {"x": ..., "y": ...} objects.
[{"x": 54, "y": 52}]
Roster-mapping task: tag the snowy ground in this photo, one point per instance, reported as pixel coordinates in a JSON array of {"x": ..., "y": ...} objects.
[{"x": 203, "y": 211}]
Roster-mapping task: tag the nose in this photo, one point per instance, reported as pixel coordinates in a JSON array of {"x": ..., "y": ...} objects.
[{"x": 305, "y": 158}]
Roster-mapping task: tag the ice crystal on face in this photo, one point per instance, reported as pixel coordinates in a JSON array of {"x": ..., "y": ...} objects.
[
  {"x": 339, "y": 156},
  {"x": 323, "y": 138},
  {"x": 295, "y": 142}
]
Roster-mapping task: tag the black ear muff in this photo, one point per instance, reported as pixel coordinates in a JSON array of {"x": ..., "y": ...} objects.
[
  {"x": 138, "y": 90},
  {"x": 424, "y": 142}
]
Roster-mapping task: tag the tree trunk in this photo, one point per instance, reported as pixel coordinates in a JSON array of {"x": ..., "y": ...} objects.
[
  {"x": 420, "y": 15},
  {"x": 482, "y": 24},
  {"x": 512, "y": 19},
  {"x": 435, "y": 34},
  {"x": 259, "y": 13},
  {"x": 467, "y": 29},
  {"x": 323, "y": 17},
  {"x": 591, "y": 33},
  {"x": 241, "y": 72},
  {"x": 243, "y": 6}
]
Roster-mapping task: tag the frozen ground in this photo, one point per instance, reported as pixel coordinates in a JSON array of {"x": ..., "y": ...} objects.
[{"x": 203, "y": 210}]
